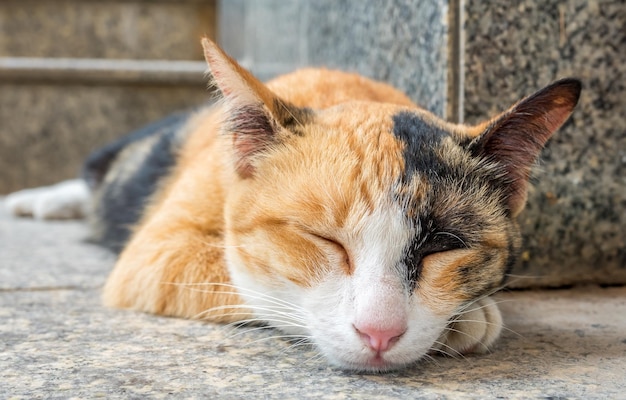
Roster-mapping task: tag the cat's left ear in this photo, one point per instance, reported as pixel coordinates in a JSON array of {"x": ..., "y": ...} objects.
[
  {"x": 515, "y": 138},
  {"x": 254, "y": 115}
]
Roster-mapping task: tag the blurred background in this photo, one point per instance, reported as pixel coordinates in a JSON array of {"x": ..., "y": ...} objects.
[{"x": 76, "y": 74}]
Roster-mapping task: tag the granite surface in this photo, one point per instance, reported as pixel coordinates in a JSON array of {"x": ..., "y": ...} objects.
[
  {"x": 575, "y": 223},
  {"x": 404, "y": 43},
  {"x": 57, "y": 341},
  {"x": 135, "y": 29}
]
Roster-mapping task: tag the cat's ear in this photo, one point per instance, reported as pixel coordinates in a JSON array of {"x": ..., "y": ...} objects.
[
  {"x": 253, "y": 113},
  {"x": 515, "y": 138}
]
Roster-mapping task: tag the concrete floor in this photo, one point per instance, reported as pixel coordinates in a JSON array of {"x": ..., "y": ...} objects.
[{"x": 57, "y": 341}]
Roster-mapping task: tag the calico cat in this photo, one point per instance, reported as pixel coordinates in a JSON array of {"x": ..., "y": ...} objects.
[{"x": 328, "y": 206}]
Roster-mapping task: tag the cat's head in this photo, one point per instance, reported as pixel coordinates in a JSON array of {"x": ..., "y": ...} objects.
[{"x": 368, "y": 226}]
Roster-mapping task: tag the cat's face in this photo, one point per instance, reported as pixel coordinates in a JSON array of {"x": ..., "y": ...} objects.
[
  {"x": 369, "y": 227},
  {"x": 375, "y": 249}
]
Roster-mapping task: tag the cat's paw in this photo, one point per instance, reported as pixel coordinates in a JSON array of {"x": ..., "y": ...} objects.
[
  {"x": 474, "y": 331},
  {"x": 65, "y": 200}
]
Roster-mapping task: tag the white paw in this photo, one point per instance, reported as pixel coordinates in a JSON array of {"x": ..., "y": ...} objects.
[
  {"x": 22, "y": 203},
  {"x": 65, "y": 200},
  {"x": 474, "y": 331}
]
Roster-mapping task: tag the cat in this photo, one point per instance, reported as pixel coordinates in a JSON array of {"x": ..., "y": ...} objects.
[{"x": 326, "y": 205}]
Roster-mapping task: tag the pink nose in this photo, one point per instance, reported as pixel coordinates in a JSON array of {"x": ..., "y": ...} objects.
[{"x": 380, "y": 339}]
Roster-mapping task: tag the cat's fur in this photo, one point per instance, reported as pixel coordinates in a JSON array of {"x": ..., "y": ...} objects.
[{"x": 326, "y": 205}]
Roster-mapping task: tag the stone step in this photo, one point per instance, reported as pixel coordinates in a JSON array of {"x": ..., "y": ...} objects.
[
  {"x": 118, "y": 29},
  {"x": 56, "y": 111},
  {"x": 99, "y": 71}
]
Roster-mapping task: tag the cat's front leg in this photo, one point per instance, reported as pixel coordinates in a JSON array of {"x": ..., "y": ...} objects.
[
  {"x": 177, "y": 272},
  {"x": 473, "y": 331}
]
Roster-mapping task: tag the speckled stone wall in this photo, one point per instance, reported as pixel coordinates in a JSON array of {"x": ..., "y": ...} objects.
[
  {"x": 575, "y": 223},
  {"x": 403, "y": 42}
]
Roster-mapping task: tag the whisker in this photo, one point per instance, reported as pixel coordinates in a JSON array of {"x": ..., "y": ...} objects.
[
  {"x": 458, "y": 353},
  {"x": 466, "y": 334},
  {"x": 451, "y": 235},
  {"x": 273, "y": 337},
  {"x": 484, "y": 296},
  {"x": 206, "y": 313},
  {"x": 271, "y": 312},
  {"x": 290, "y": 113},
  {"x": 264, "y": 319},
  {"x": 466, "y": 308},
  {"x": 258, "y": 296},
  {"x": 315, "y": 358},
  {"x": 304, "y": 342},
  {"x": 427, "y": 358},
  {"x": 240, "y": 291},
  {"x": 259, "y": 328},
  {"x": 490, "y": 323}
]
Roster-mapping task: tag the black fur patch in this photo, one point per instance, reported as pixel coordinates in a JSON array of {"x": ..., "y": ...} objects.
[
  {"x": 119, "y": 199},
  {"x": 422, "y": 142},
  {"x": 430, "y": 240},
  {"x": 441, "y": 224},
  {"x": 254, "y": 130},
  {"x": 98, "y": 162},
  {"x": 420, "y": 139},
  {"x": 253, "y": 119},
  {"x": 512, "y": 256},
  {"x": 292, "y": 117}
]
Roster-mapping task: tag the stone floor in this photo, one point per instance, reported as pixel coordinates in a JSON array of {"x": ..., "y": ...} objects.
[{"x": 57, "y": 341}]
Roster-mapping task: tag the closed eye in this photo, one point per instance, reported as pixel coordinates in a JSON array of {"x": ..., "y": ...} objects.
[
  {"x": 336, "y": 247},
  {"x": 443, "y": 241},
  {"x": 432, "y": 243}
]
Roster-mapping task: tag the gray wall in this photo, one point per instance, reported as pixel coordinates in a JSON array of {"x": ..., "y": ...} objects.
[{"x": 401, "y": 42}]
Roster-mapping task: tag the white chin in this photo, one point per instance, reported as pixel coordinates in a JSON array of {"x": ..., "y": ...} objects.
[{"x": 373, "y": 364}]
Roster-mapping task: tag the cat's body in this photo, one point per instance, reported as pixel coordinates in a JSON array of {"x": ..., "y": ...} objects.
[{"x": 329, "y": 206}]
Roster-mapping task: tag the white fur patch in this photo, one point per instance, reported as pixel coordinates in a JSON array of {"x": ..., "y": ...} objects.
[
  {"x": 65, "y": 200},
  {"x": 375, "y": 295}
]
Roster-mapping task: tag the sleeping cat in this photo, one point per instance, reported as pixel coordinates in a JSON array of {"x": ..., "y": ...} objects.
[{"x": 326, "y": 205}]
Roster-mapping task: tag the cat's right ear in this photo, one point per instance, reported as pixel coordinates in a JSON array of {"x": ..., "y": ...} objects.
[
  {"x": 253, "y": 112},
  {"x": 514, "y": 138}
]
